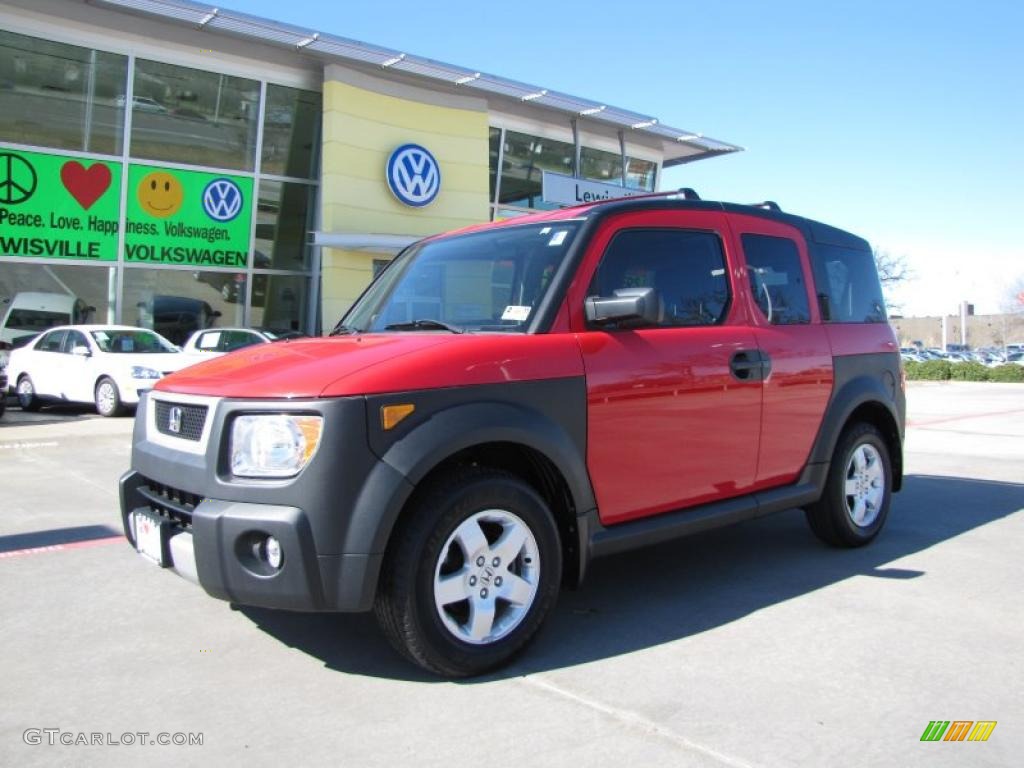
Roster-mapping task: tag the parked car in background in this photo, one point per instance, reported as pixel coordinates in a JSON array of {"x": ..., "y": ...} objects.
[
  {"x": 176, "y": 317},
  {"x": 141, "y": 103},
  {"x": 3, "y": 386},
  {"x": 231, "y": 285},
  {"x": 213, "y": 342},
  {"x": 1017, "y": 358},
  {"x": 109, "y": 365},
  {"x": 31, "y": 312}
]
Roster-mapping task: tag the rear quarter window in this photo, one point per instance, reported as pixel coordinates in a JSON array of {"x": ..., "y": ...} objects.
[{"x": 847, "y": 285}]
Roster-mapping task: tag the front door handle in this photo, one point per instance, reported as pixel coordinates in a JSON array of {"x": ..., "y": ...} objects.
[{"x": 750, "y": 365}]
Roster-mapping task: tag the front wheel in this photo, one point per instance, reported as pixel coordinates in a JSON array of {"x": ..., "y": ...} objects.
[
  {"x": 855, "y": 503},
  {"x": 473, "y": 570},
  {"x": 108, "y": 399},
  {"x": 27, "y": 398}
]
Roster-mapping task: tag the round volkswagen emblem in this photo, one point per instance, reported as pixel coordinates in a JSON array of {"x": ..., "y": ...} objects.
[
  {"x": 414, "y": 176},
  {"x": 222, "y": 200}
]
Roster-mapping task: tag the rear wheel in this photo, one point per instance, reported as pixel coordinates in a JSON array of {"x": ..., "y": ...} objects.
[
  {"x": 27, "y": 398},
  {"x": 108, "y": 398},
  {"x": 471, "y": 574},
  {"x": 855, "y": 503}
]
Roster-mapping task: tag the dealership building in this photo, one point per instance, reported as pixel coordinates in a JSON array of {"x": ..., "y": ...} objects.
[{"x": 172, "y": 165}]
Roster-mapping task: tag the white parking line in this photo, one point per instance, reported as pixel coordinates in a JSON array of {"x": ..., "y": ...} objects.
[{"x": 46, "y": 444}]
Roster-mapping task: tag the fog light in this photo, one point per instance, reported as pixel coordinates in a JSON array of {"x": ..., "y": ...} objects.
[{"x": 272, "y": 552}]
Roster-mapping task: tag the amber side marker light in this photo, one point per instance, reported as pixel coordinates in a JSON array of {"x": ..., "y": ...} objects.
[{"x": 391, "y": 415}]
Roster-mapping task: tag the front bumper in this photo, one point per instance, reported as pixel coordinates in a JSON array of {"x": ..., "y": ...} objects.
[
  {"x": 214, "y": 544},
  {"x": 212, "y": 524}
]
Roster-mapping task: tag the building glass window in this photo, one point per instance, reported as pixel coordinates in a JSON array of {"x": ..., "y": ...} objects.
[
  {"x": 291, "y": 132},
  {"x": 640, "y": 174},
  {"x": 284, "y": 220},
  {"x": 524, "y": 159},
  {"x": 494, "y": 149},
  {"x": 597, "y": 165},
  {"x": 61, "y": 96},
  {"x": 185, "y": 115},
  {"x": 39, "y": 296},
  {"x": 279, "y": 302},
  {"x": 176, "y": 303}
]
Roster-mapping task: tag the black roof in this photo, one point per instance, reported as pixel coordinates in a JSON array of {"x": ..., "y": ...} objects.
[{"x": 814, "y": 231}]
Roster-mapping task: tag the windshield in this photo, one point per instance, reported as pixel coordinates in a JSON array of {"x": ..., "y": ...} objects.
[
  {"x": 35, "y": 320},
  {"x": 485, "y": 281},
  {"x": 131, "y": 342}
]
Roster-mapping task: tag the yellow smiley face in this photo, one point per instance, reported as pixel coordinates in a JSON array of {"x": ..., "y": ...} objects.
[{"x": 160, "y": 194}]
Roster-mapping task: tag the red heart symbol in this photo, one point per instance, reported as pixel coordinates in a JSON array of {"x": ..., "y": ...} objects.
[{"x": 86, "y": 185}]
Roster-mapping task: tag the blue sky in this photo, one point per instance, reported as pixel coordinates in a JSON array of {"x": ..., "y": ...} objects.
[{"x": 900, "y": 121}]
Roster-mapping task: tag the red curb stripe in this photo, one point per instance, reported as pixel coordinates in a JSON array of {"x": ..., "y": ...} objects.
[{"x": 61, "y": 547}]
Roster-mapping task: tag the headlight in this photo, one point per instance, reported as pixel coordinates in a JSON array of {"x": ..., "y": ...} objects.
[
  {"x": 273, "y": 444},
  {"x": 142, "y": 372}
]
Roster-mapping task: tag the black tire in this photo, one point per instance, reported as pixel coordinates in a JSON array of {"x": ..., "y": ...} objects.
[
  {"x": 27, "y": 397},
  {"x": 108, "y": 398},
  {"x": 844, "y": 519},
  {"x": 434, "y": 636}
]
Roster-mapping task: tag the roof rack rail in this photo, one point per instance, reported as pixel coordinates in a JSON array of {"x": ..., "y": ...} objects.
[
  {"x": 771, "y": 205},
  {"x": 687, "y": 193}
]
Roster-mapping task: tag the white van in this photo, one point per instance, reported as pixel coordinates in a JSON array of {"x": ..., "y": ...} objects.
[{"x": 31, "y": 312}]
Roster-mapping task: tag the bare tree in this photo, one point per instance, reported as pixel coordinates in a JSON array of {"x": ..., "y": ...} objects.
[{"x": 892, "y": 270}]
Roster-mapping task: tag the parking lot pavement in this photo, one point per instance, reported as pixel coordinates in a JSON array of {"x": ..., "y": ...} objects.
[{"x": 747, "y": 646}]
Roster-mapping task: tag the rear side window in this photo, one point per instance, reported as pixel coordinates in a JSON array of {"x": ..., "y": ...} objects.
[
  {"x": 777, "y": 279},
  {"x": 847, "y": 285},
  {"x": 51, "y": 342},
  {"x": 232, "y": 340},
  {"x": 686, "y": 268}
]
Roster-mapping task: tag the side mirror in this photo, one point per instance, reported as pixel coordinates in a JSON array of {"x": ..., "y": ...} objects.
[
  {"x": 630, "y": 304},
  {"x": 81, "y": 352}
]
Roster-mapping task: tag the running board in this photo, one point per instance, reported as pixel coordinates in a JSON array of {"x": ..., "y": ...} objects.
[{"x": 602, "y": 541}]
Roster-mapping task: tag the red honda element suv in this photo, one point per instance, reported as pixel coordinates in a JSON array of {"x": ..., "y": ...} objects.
[{"x": 507, "y": 402}]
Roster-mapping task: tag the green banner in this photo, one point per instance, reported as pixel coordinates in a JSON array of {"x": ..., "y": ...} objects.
[
  {"x": 188, "y": 217},
  {"x": 58, "y": 206}
]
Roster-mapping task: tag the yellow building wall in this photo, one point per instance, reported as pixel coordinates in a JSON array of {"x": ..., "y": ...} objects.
[{"x": 361, "y": 127}]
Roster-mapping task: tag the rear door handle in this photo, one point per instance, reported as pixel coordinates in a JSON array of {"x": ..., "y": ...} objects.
[{"x": 750, "y": 365}]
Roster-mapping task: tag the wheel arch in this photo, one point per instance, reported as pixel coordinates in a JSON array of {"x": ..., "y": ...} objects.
[
  {"x": 862, "y": 399},
  {"x": 512, "y": 438}
]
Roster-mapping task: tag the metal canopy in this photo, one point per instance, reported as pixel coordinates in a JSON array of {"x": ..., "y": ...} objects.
[{"x": 679, "y": 146}]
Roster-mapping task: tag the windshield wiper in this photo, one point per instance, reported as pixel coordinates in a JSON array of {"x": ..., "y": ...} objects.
[
  {"x": 424, "y": 325},
  {"x": 340, "y": 330}
]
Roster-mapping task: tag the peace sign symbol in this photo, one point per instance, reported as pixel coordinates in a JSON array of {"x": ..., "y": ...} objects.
[{"x": 17, "y": 179}]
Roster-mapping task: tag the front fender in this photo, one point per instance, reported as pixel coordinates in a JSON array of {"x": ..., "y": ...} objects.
[{"x": 553, "y": 424}]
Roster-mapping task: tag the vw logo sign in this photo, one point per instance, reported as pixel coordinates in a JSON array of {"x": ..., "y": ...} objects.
[
  {"x": 414, "y": 176},
  {"x": 222, "y": 200}
]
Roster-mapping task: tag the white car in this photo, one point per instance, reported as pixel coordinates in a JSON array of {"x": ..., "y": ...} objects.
[
  {"x": 212, "y": 342},
  {"x": 109, "y": 365}
]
